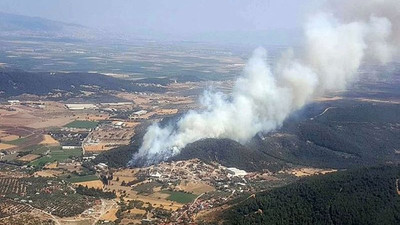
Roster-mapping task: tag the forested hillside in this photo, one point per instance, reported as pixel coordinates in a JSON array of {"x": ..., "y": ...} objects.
[
  {"x": 335, "y": 139},
  {"x": 13, "y": 83},
  {"x": 339, "y": 135},
  {"x": 363, "y": 196},
  {"x": 229, "y": 153},
  {"x": 343, "y": 134}
]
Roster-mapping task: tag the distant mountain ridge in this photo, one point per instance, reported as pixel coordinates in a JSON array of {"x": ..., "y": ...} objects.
[{"x": 12, "y": 25}]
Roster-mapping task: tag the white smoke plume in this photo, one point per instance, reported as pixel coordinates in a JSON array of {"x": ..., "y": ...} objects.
[{"x": 336, "y": 44}]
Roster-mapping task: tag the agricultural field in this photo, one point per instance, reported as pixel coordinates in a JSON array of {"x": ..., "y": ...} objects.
[
  {"x": 28, "y": 158},
  {"x": 63, "y": 205},
  {"x": 180, "y": 197},
  {"x": 56, "y": 154},
  {"x": 126, "y": 175},
  {"x": 137, "y": 211},
  {"x": 26, "y": 219},
  {"x": 48, "y": 173},
  {"x": 12, "y": 186},
  {"x": 6, "y": 146},
  {"x": 9, "y": 207},
  {"x": 82, "y": 124},
  {"x": 195, "y": 187},
  {"x": 53, "y": 165},
  {"x": 25, "y": 117},
  {"x": 51, "y": 195},
  {"x": 146, "y": 188},
  {"x": 6, "y": 137},
  {"x": 42, "y": 196},
  {"x": 19, "y": 138},
  {"x": 17, "y": 141},
  {"x": 49, "y": 140},
  {"x": 110, "y": 215},
  {"x": 11, "y": 133},
  {"x": 40, "y": 149},
  {"x": 96, "y": 148},
  {"x": 78, "y": 179},
  {"x": 97, "y": 184},
  {"x": 301, "y": 172}
]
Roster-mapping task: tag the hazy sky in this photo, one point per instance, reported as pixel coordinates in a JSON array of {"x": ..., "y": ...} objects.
[{"x": 170, "y": 16}]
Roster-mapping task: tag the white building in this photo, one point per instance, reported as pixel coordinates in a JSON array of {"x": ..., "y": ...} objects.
[
  {"x": 70, "y": 147},
  {"x": 102, "y": 166},
  {"x": 155, "y": 175},
  {"x": 89, "y": 157},
  {"x": 236, "y": 172},
  {"x": 116, "y": 103},
  {"x": 140, "y": 112},
  {"x": 119, "y": 124},
  {"x": 13, "y": 102},
  {"x": 80, "y": 106}
]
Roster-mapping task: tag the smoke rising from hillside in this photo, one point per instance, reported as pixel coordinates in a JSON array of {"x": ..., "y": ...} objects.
[{"x": 337, "y": 42}]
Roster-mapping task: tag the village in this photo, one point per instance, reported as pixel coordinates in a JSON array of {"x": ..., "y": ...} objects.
[
  {"x": 59, "y": 142},
  {"x": 29, "y": 123}
]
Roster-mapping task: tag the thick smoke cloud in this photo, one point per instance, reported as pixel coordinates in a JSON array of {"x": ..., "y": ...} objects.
[{"x": 337, "y": 42}]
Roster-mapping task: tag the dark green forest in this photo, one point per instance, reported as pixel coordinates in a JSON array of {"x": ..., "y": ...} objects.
[
  {"x": 118, "y": 157},
  {"x": 361, "y": 196},
  {"x": 229, "y": 153}
]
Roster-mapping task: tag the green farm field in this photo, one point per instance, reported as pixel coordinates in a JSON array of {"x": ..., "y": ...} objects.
[
  {"x": 77, "y": 179},
  {"x": 180, "y": 197},
  {"x": 82, "y": 124},
  {"x": 56, "y": 154}
]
